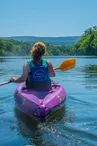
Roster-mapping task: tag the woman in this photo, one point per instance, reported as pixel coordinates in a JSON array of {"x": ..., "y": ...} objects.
[{"x": 37, "y": 72}]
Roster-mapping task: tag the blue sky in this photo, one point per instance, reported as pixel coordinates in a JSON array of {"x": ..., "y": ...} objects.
[{"x": 46, "y": 17}]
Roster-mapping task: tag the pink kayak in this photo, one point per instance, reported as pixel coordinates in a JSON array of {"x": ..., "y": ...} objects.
[{"x": 39, "y": 104}]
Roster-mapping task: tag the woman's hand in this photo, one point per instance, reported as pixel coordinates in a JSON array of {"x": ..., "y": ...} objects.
[{"x": 13, "y": 79}]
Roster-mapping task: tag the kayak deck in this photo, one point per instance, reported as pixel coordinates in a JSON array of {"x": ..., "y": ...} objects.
[{"x": 39, "y": 104}]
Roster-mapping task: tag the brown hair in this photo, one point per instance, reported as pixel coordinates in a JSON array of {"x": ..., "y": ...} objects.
[{"x": 38, "y": 50}]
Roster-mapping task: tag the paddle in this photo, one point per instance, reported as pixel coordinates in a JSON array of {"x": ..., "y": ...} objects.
[
  {"x": 4, "y": 83},
  {"x": 66, "y": 65}
]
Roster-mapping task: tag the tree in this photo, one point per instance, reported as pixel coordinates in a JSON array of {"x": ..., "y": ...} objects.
[{"x": 87, "y": 45}]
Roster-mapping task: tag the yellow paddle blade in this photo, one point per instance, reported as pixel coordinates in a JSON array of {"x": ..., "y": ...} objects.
[{"x": 66, "y": 65}]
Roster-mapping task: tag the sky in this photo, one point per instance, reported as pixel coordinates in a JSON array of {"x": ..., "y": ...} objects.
[{"x": 46, "y": 18}]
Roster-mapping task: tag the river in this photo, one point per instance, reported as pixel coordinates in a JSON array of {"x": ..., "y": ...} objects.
[{"x": 74, "y": 125}]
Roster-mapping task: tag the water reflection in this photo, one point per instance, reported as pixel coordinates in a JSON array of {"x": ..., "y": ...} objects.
[
  {"x": 29, "y": 128},
  {"x": 90, "y": 76},
  {"x": 91, "y": 70},
  {"x": 2, "y": 60}
]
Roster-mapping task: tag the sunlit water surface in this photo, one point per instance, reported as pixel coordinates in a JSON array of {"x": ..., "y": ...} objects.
[{"x": 74, "y": 125}]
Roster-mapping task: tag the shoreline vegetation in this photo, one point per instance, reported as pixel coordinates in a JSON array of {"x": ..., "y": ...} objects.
[{"x": 85, "y": 46}]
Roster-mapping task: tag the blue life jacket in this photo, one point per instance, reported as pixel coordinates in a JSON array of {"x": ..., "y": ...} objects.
[{"x": 39, "y": 73}]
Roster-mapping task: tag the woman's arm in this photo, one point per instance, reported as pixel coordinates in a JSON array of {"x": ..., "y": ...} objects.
[
  {"x": 24, "y": 75},
  {"x": 51, "y": 70}
]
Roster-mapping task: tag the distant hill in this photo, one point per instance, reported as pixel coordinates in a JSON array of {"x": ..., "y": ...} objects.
[{"x": 70, "y": 40}]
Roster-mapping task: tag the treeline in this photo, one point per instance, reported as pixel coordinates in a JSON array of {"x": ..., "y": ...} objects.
[
  {"x": 87, "y": 45},
  {"x": 53, "y": 50},
  {"x": 12, "y": 47},
  {"x": 17, "y": 48}
]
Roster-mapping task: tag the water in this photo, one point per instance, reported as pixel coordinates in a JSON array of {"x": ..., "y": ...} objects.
[{"x": 74, "y": 125}]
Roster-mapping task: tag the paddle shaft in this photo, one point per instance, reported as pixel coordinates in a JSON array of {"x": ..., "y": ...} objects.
[{"x": 4, "y": 83}]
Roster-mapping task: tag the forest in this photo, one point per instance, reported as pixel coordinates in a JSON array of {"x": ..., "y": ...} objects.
[{"x": 87, "y": 45}]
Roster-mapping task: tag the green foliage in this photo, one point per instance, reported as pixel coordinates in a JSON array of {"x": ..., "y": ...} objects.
[
  {"x": 13, "y": 47},
  {"x": 87, "y": 45}
]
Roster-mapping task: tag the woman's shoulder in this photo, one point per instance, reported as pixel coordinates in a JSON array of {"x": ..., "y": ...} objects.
[
  {"x": 26, "y": 66},
  {"x": 50, "y": 66},
  {"x": 48, "y": 62}
]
